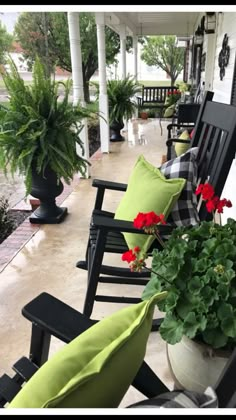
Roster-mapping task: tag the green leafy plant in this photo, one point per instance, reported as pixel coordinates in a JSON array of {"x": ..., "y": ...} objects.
[
  {"x": 6, "y": 221},
  {"x": 121, "y": 98},
  {"x": 172, "y": 97},
  {"x": 39, "y": 128},
  {"x": 198, "y": 269},
  {"x": 183, "y": 87}
]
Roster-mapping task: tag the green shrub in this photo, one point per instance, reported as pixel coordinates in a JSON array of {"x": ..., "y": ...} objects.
[{"x": 6, "y": 222}]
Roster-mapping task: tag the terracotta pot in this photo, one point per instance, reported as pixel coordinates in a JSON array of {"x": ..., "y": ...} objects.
[
  {"x": 194, "y": 365},
  {"x": 144, "y": 115}
]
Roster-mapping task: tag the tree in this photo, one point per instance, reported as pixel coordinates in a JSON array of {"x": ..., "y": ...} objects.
[
  {"x": 161, "y": 51},
  {"x": 5, "y": 42},
  {"x": 53, "y": 46}
]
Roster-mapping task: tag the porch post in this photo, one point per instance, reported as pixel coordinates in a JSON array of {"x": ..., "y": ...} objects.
[
  {"x": 103, "y": 99},
  {"x": 77, "y": 77},
  {"x": 135, "y": 47},
  {"x": 122, "y": 33}
]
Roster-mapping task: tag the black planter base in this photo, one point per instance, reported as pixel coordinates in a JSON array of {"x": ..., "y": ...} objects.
[
  {"x": 117, "y": 138},
  {"x": 40, "y": 217},
  {"x": 115, "y": 128}
]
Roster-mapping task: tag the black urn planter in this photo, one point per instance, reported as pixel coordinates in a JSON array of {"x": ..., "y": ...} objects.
[
  {"x": 46, "y": 188},
  {"x": 115, "y": 128}
]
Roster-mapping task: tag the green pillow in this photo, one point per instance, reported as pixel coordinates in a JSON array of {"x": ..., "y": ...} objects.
[
  {"x": 147, "y": 190},
  {"x": 169, "y": 112},
  {"x": 95, "y": 369},
  {"x": 181, "y": 148}
]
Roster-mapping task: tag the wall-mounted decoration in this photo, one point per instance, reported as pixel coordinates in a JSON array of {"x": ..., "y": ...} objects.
[
  {"x": 203, "y": 62},
  {"x": 223, "y": 58}
]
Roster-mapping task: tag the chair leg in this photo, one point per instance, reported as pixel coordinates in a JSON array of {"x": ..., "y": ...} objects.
[
  {"x": 95, "y": 262},
  {"x": 39, "y": 345},
  {"x": 148, "y": 383}
]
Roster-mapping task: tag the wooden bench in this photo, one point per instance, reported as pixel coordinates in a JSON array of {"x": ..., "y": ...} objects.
[{"x": 154, "y": 96}]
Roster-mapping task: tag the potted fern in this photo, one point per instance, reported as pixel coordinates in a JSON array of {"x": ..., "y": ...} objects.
[
  {"x": 39, "y": 137},
  {"x": 122, "y": 103}
]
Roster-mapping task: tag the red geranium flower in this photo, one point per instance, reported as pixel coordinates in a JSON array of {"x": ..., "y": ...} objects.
[
  {"x": 212, "y": 201},
  {"x": 206, "y": 190},
  {"x": 129, "y": 256}
]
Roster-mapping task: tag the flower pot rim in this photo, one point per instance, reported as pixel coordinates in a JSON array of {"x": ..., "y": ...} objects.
[{"x": 209, "y": 350}]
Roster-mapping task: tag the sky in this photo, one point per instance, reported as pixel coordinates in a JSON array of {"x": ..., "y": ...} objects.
[{"x": 9, "y": 19}]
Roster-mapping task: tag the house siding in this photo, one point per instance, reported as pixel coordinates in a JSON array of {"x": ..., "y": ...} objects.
[
  {"x": 226, "y": 24},
  {"x": 222, "y": 89}
]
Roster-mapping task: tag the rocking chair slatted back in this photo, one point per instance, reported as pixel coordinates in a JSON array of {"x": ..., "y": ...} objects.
[
  {"x": 171, "y": 128},
  {"x": 216, "y": 148}
]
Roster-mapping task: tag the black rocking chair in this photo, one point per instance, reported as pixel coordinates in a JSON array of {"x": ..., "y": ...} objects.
[{"x": 216, "y": 133}]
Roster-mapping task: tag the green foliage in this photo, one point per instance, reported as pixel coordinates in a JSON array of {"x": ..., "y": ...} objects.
[
  {"x": 183, "y": 87},
  {"x": 32, "y": 28},
  {"x": 199, "y": 267},
  {"x": 6, "y": 222},
  {"x": 161, "y": 51},
  {"x": 39, "y": 129},
  {"x": 5, "y": 43},
  {"x": 121, "y": 98}
]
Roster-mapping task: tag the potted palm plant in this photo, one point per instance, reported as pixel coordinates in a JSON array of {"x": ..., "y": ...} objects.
[
  {"x": 122, "y": 103},
  {"x": 40, "y": 137}
]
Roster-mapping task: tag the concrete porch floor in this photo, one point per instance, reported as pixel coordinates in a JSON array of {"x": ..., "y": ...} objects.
[{"x": 47, "y": 261}]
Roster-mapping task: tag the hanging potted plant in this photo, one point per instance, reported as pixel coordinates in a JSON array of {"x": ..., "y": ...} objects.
[{"x": 39, "y": 137}]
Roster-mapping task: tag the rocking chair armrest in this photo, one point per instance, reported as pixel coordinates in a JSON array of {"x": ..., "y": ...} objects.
[
  {"x": 55, "y": 317},
  {"x": 114, "y": 225},
  {"x": 102, "y": 186},
  {"x": 177, "y": 126},
  {"x": 109, "y": 185},
  {"x": 117, "y": 225},
  {"x": 170, "y": 142}
]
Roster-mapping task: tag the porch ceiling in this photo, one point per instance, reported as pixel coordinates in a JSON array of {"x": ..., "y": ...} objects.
[{"x": 154, "y": 23}]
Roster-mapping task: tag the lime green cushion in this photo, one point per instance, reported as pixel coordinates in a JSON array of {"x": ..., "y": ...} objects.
[
  {"x": 96, "y": 368},
  {"x": 181, "y": 148},
  {"x": 169, "y": 112},
  {"x": 147, "y": 190}
]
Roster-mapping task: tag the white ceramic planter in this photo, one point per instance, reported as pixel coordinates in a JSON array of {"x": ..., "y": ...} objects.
[{"x": 195, "y": 366}]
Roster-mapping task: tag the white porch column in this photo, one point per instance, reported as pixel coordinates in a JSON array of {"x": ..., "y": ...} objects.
[
  {"x": 135, "y": 48},
  {"x": 103, "y": 99},
  {"x": 77, "y": 76},
  {"x": 122, "y": 33}
]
